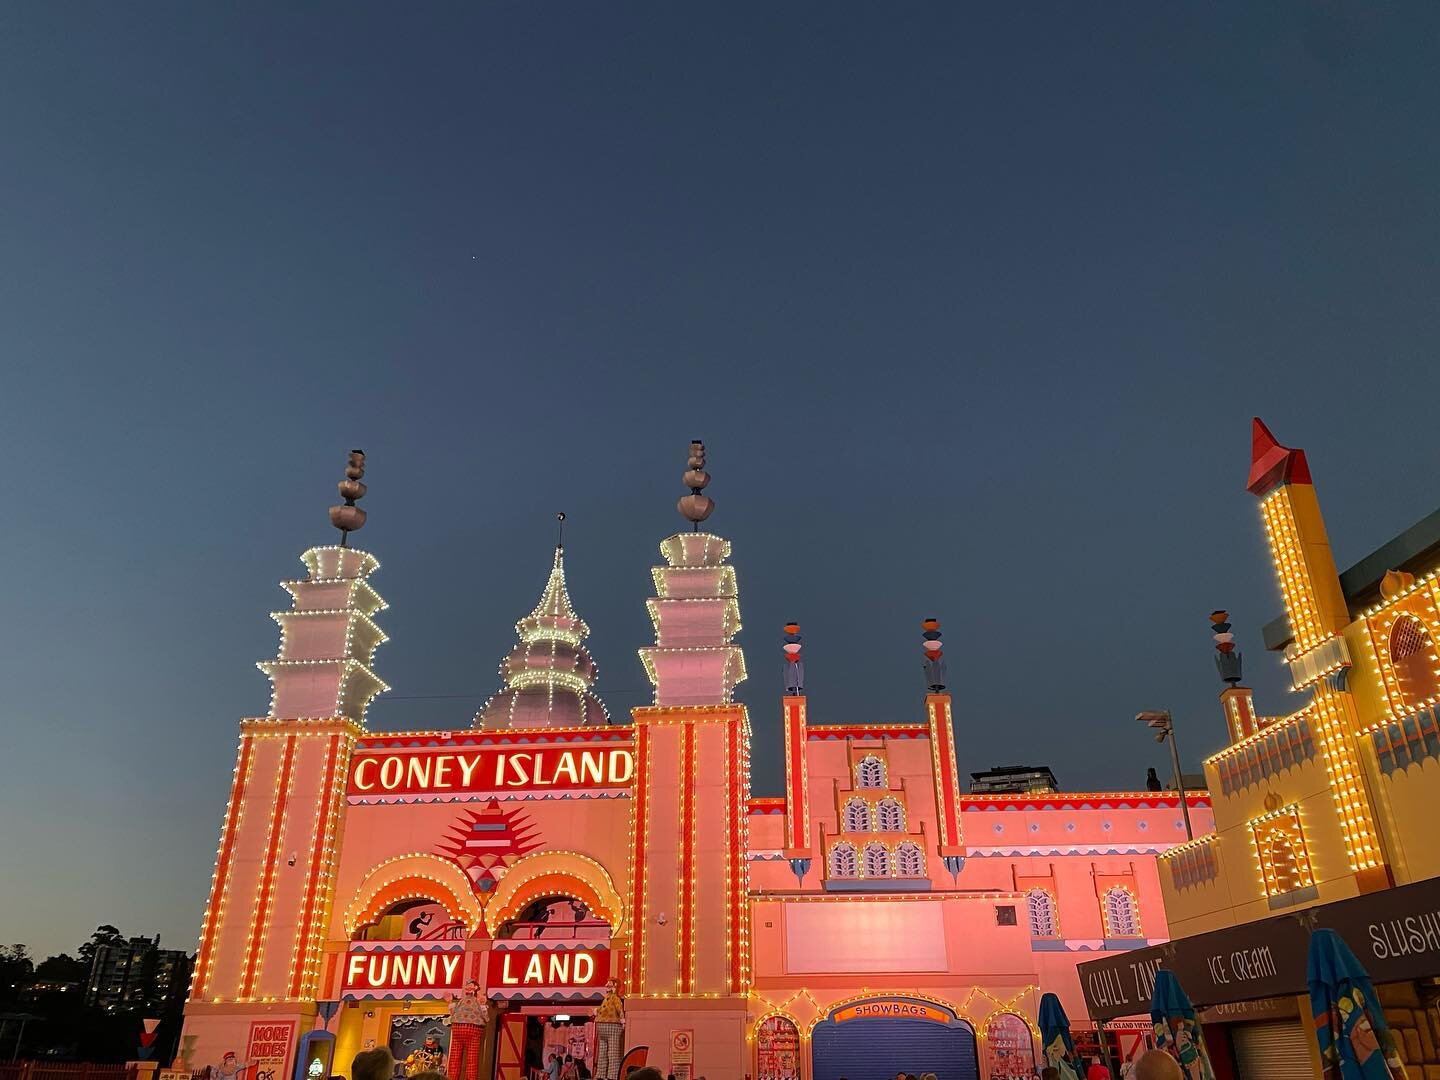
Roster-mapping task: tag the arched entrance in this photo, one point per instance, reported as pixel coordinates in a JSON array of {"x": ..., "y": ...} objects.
[
  {"x": 550, "y": 961},
  {"x": 873, "y": 1039}
]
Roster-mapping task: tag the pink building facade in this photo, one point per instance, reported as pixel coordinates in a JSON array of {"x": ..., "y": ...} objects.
[{"x": 871, "y": 918}]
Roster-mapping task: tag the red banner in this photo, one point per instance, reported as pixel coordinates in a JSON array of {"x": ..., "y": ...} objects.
[
  {"x": 546, "y": 968},
  {"x": 487, "y": 770},
  {"x": 421, "y": 969}
]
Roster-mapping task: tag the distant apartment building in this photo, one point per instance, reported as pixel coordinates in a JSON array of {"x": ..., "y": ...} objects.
[
  {"x": 137, "y": 974},
  {"x": 1013, "y": 780}
]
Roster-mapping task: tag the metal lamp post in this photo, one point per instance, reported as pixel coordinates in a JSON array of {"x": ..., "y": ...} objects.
[{"x": 1163, "y": 724}]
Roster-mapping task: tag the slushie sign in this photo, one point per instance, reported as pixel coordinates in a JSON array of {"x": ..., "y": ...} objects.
[{"x": 487, "y": 770}]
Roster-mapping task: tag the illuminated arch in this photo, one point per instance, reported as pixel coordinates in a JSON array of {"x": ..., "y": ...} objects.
[
  {"x": 554, "y": 873},
  {"x": 413, "y": 877},
  {"x": 960, "y": 1014}
]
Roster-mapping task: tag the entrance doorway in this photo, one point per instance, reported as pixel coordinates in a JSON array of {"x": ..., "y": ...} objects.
[
  {"x": 554, "y": 939},
  {"x": 876, "y": 1047}
]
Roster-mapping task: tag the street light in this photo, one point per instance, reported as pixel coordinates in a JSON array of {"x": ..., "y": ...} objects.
[{"x": 1163, "y": 724}]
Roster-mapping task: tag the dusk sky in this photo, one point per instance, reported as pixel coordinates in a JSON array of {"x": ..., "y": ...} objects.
[{"x": 971, "y": 305}]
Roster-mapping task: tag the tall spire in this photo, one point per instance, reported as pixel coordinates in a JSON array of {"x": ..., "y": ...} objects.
[
  {"x": 549, "y": 674},
  {"x": 1271, "y": 464}
]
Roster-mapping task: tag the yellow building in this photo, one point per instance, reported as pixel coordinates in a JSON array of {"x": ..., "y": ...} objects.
[{"x": 1328, "y": 815}]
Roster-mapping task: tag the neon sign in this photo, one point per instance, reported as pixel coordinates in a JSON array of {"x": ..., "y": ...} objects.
[
  {"x": 385, "y": 968},
  {"x": 521, "y": 969},
  {"x": 488, "y": 770}
]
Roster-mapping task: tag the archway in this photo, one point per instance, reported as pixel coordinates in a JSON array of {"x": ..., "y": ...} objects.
[
  {"x": 879, "y": 1037},
  {"x": 396, "y": 882}
]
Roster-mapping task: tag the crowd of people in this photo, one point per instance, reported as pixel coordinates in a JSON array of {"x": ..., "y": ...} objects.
[{"x": 378, "y": 1064}]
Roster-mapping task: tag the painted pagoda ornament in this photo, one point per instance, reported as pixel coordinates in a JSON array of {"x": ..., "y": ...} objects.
[
  {"x": 348, "y": 517},
  {"x": 696, "y": 507}
]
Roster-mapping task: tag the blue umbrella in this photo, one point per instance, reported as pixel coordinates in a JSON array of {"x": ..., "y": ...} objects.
[
  {"x": 1055, "y": 1041},
  {"x": 1355, "y": 1042},
  {"x": 1177, "y": 1032}
]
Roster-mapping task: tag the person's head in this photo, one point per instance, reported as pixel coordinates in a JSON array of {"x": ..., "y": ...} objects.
[
  {"x": 1050, "y": 1072},
  {"x": 928, "y": 1076},
  {"x": 432, "y": 1043},
  {"x": 569, "y": 1058},
  {"x": 428, "y": 1074},
  {"x": 1157, "y": 1065},
  {"x": 227, "y": 1058},
  {"x": 648, "y": 1072},
  {"x": 374, "y": 1064}
]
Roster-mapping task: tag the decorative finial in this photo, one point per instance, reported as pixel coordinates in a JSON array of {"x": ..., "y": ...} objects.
[
  {"x": 1227, "y": 660},
  {"x": 560, "y": 530},
  {"x": 1271, "y": 464},
  {"x": 349, "y": 518},
  {"x": 794, "y": 666},
  {"x": 934, "y": 666},
  {"x": 695, "y": 507}
]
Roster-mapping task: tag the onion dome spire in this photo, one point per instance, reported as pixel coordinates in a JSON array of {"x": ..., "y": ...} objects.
[
  {"x": 696, "y": 507},
  {"x": 934, "y": 650},
  {"x": 794, "y": 666},
  {"x": 549, "y": 673},
  {"x": 1227, "y": 658},
  {"x": 349, "y": 517}
]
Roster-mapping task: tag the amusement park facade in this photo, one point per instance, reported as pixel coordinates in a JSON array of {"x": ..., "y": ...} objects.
[{"x": 870, "y": 918}]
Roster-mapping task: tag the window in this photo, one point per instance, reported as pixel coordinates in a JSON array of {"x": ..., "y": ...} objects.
[
  {"x": 870, "y": 772},
  {"x": 909, "y": 861},
  {"x": 1043, "y": 920},
  {"x": 1121, "y": 918},
  {"x": 877, "y": 860},
  {"x": 890, "y": 816},
  {"x": 857, "y": 816},
  {"x": 1413, "y": 655},
  {"x": 843, "y": 862}
]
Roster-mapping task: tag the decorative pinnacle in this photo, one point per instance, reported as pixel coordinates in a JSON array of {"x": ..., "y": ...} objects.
[
  {"x": 349, "y": 518},
  {"x": 934, "y": 650},
  {"x": 794, "y": 666},
  {"x": 1227, "y": 659},
  {"x": 696, "y": 507}
]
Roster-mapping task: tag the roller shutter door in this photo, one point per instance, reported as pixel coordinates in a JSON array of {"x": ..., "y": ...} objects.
[
  {"x": 876, "y": 1049},
  {"x": 1272, "y": 1051}
]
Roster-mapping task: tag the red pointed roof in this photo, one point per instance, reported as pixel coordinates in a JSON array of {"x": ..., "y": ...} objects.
[{"x": 1271, "y": 464}]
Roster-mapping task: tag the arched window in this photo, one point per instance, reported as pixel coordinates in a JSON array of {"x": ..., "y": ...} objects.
[
  {"x": 1121, "y": 918},
  {"x": 889, "y": 816},
  {"x": 877, "y": 860},
  {"x": 843, "y": 862},
  {"x": 1286, "y": 872},
  {"x": 1413, "y": 655},
  {"x": 909, "y": 861},
  {"x": 1043, "y": 920},
  {"x": 857, "y": 816},
  {"x": 870, "y": 772}
]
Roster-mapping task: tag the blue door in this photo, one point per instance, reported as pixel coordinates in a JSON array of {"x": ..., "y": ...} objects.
[{"x": 876, "y": 1048}]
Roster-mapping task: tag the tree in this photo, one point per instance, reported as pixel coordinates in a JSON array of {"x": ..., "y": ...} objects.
[
  {"x": 62, "y": 969},
  {"x": 16, "y": 969},
  {"x": 103, "y": 935}
]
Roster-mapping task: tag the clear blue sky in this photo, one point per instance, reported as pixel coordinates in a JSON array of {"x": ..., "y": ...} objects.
[{"x": 972, "y": 306}]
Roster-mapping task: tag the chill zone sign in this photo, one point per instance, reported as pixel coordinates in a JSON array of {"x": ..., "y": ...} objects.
[{"x": 489, "y": 769}]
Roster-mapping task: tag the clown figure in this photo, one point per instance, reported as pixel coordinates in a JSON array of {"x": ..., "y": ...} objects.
[{"x": 467, "y": 1030}]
